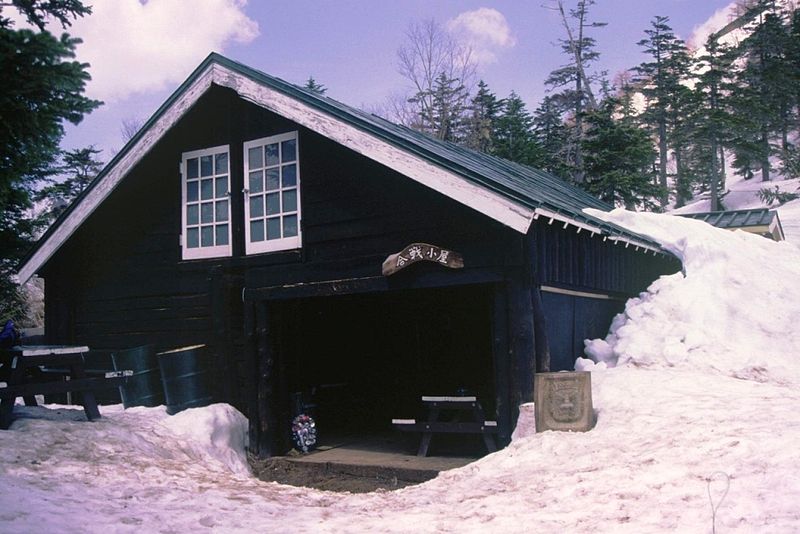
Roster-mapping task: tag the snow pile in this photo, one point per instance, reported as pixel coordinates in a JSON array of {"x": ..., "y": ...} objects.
[
  {"x": 733, "y": 310},
  {"x": 214, "y": 434}
]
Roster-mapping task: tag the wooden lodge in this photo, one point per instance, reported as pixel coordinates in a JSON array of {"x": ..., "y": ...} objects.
[{"x": 312, "y": 245}]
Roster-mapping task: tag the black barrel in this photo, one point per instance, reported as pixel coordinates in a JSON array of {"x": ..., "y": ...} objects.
[
  {"x": 185, "y": 378},
  {"x": 144, "y": 387}
]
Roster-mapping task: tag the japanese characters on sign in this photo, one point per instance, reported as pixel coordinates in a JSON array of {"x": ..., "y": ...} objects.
[{"x": 421, "y": 252}]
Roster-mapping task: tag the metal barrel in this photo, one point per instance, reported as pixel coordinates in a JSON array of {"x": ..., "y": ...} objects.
[
  {"x": 100, "y": 361},
  {"x": 185, "y": 378},
  {"x": 144, "y": 387}
]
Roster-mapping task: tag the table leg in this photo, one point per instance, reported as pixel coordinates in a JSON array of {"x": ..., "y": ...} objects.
[
  {"x": 6, "y": 413},
  {"x": 425, "y": 441},
  {"x": 89, "y": 401}
]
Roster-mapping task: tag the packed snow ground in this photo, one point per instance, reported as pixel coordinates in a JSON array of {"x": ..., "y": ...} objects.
[{"x": 702, "y": 399}]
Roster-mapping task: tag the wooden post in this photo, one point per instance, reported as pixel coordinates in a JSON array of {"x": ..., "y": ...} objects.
[
  {"x": 522, "y": 347},
  {"x": 500, "y": 358},
  {"x": 221, "y": 336},
  {"x": 251, "y": 367},
  {"x": 266, "y": 383},
  {"x": 542, "y": 345},
  {"x": 540, "y": 331}
]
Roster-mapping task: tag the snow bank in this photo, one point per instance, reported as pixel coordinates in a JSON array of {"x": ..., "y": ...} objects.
[
  {"x": 733, "y": 309},
  {"x": 217, "y": 433}
]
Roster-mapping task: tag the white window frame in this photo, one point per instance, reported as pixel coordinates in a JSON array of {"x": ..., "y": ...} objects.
[
  {"x": 283, "y": 243},
  {"x": 201, "y": 252}
]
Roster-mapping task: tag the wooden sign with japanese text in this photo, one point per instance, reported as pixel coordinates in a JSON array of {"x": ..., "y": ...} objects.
[{"x": 421, "y": 252}]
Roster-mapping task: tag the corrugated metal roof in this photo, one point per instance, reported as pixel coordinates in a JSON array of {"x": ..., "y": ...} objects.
[
  {"x": 735, "y": 219},
  {"x": 527, "y": 186},
  {"x": 532, "y": 188}
]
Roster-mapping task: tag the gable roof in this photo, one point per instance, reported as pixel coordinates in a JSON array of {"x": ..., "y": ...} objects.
[
  {"x": 512, "y": 194},
  {"x": 757, "y": 220}
]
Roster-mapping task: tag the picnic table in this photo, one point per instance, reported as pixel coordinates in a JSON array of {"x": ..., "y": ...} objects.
[
  {"x": 30, "y": 370},
  {"x": 457, "y": 407}
]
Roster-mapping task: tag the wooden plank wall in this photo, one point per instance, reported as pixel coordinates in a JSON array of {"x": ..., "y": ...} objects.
[{"x": 120, "y": 282}]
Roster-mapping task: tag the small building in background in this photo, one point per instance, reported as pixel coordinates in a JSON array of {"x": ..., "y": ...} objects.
[{"x": 761, "y": 221}]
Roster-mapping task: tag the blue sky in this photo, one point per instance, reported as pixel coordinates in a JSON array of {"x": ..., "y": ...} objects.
[{"x": 140, "y": 52}]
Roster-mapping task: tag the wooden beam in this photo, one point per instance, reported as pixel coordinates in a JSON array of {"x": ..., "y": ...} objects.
[
  {"x": 349, "y": 286},
  {"x": 500, "y": 360}
]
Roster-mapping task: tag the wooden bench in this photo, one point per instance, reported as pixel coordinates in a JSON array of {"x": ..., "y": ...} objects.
[
  {"x": 456, "y": 406},
  {"x": 50, "y": 369}
]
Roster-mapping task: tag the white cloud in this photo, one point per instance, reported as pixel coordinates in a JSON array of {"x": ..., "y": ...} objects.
[
  {"x": 714, "y": 23},
  {"x": 136, "y": 47},
  {"x": 485, "y": 30}
]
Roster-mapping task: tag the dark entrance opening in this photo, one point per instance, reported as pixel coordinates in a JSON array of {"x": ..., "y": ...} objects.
[{"x": 362, "y": 360}]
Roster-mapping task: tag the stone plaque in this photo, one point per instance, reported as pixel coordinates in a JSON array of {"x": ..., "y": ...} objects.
[{"x": 564, "y": 401}]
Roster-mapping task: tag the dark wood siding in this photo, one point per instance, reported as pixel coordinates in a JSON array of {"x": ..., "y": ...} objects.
[
  {"x": 120, "y": 281},
  {"x": 585, "y": 262}
]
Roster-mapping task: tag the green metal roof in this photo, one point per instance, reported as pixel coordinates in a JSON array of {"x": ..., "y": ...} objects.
[
  {"x": 735, "y": 219},
  {"x": 763, "y": 219},
  {"x": 528, "y": 187}
]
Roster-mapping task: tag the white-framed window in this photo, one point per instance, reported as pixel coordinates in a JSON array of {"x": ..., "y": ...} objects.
[
  {"x": 206, "y": 213},
  {"x": 272, "y": 194}
]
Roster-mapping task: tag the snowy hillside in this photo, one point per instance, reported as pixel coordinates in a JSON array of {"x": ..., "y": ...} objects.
[{"x": 703, "y": 400}]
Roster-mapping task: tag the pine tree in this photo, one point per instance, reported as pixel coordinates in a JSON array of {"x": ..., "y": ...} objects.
[
  {"x": 314, "y": 87},
  {"x": 484, "y": 111},
  {"x": 660, "y": 80},
  {"x": 79, "y": 168},
  {"x": 551, "y": 135},
  {"x": 713, "y": 122},
  {"x": 444, "y": 116},
  {"x": 619, "y": 160},
  {"x": 514, "y": 138},
  {"x": 573, "y": 78},
  {"x": 43, "y": 87},
  {"x": 762, "y": 83}
]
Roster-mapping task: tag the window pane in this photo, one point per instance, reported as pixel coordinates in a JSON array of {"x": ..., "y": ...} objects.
[
  {"x": 272, "y": 179},
  {"x": 290, "y": 175},
  {"x": 221, "y": 211},
  {"x": 274, "y": 228},
  {"x": 207, "y": 212},
  {"x": 273, "y": 204},
  {"x": 272, "y": 154},
  {"x": 192, "y": 214},
  {"x": 289, "y": 151},
  {"x": 290, "y": 226},
  {"x": 290, "y": 200},
  {"x": 206, "y": 168},
  {"x": 256, "y": 206},
  {"x": 256, "y": 182},
  {"x": 207, "y": 189},
  {"x": 257, "y": 230},
  {"x": 221, "y": 186},
  {"x": 191, "y": 191},
  {"x": 192, "y": 238},
  {"x": 221, "y": 164},
  {"x": 222, "y": 234},
  {"x": 191, "y": 168},
  {"x": 254, "y": 157},
  {"x": 207, "y": 236}
]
